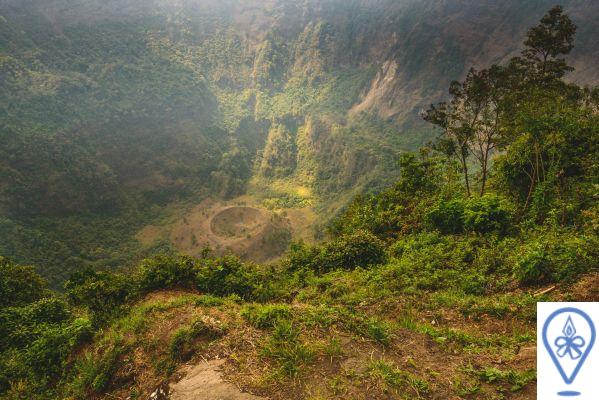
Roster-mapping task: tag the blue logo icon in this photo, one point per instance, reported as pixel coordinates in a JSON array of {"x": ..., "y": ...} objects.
[{"x": 568, "y": 335}]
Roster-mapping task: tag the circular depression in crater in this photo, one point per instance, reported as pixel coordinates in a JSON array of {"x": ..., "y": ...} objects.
[{"x": 238, "y": 222}]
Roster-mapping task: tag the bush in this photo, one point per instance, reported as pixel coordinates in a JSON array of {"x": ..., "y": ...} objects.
[
  {"x": 447, "y": 216},
  {"x": 20, "y": 326},
  {"x": 228, "y": 275},
  {"x": 533, "y": 266},
  {"x": 359, "y": 249},
  {"x": 572, "y": 255},
  {"x": 432, "y": 261},
  {"x": 101, "y": 292},
  {"x": 39, "y": 360},
  {"x": 164, "y": 271},
  {"x": 47, "y": 355},
  {"x": 556, "y": 257},
  {"x": 487, "y": 214},
  {"x": 19, "y": 285},
  {"x": 300, "y": 256}
]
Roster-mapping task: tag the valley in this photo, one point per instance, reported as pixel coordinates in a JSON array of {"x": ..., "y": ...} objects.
[
  {"x": 293, "y": 200},
  {"x": 111, "y": 120}
]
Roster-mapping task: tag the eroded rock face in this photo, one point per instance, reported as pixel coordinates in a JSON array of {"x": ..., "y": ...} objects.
[{"x": 204, "y": 381}]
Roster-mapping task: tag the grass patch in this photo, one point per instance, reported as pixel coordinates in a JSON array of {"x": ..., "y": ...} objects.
[
  {"x": 287, "y": 350},
  {"x": 393, "y": 379},
  {"x": 181, "y": 345},
  {"x": 266, "y": 315},
  {"x": 94, "y": 370},
  {"x": 515, "y": 380},
  {"x": 521, "y": 306}
]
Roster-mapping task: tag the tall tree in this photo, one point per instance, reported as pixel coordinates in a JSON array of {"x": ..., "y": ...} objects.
[
  {"x": 455, "y": 133},
  {"x": 492, "y": 91},
  {"x": 536, "y": 81},
  {"x": 481, "y": 113},
  {"x": 471, "y": 120},
  {"x": 546, "y": 44}
]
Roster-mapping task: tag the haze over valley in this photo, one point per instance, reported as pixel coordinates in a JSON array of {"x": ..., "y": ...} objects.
[{"x": 115, "y": 111}]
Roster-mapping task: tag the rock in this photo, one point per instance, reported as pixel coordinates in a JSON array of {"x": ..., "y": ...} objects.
[
  {"x": 528, "y": 353},
  {"x": 204, "y": 381}
]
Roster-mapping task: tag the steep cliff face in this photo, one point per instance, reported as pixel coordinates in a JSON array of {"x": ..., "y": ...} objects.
[
  {"x": 273, "y": 47},
  {"x": 432, "y": 43}
]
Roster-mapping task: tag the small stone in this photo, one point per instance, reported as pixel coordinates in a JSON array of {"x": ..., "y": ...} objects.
[{"x": 528, "y": 353}]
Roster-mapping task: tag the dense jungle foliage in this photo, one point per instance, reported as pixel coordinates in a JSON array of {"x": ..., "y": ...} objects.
[{"x": 504, "y": 200}]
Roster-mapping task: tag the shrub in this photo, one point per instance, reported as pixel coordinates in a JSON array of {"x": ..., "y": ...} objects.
[
  {"x": 165, "y": 271},
  {"x": 487, "y": 214},
  {"x": 300, "y": 256},
  {"x": 556, "y": 257},
  {"x": 572, "y": 255},
  {"x": 431, "y": 261},
  {"x": 101, "y": 292},
  {"x": 533, "y": 266},
  {"x": 47, "y": 355},
  {"x": 359, "y": 249},
  {"x": 447, "y": 216},
  {"x": 51, "y": 310},
  {"x": 228, "y": 275},
  {"x": 19, "y": 285}
]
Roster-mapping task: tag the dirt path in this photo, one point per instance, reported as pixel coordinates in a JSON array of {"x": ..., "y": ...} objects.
[{"x": 204, "y": 381}]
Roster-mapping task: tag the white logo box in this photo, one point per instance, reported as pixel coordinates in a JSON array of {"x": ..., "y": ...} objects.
[{"x": 567, "y": 351}]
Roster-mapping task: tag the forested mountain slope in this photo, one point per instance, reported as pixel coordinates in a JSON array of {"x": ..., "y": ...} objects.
[{"x": 111, "y": 110}]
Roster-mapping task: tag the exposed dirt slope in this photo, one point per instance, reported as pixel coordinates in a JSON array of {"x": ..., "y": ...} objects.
[{"x": 430, "y": 345}]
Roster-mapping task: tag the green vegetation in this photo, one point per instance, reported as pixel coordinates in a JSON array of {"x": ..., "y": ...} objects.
[
  {"x": 394, "y": 379},
  {"x": 516, "y": 380},
  {"x": 360, "y": 249},
  {"x": 107, "y": 122},
  {"x": 427, "y": 284},
  {"x": 182, "y": 338}
]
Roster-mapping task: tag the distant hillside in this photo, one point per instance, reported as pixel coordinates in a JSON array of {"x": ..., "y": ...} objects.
[{"x": 112, "y": 107}]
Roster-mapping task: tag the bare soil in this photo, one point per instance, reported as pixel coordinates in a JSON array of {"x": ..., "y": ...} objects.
[
  {"x": 240, "y": 226},
  {"x": 252, "y": 233}
]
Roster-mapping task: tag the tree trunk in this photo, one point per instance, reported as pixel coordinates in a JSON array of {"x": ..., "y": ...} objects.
[
  {"x": 465, "y": 171},
  {"x": 484, "y": 178}
]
